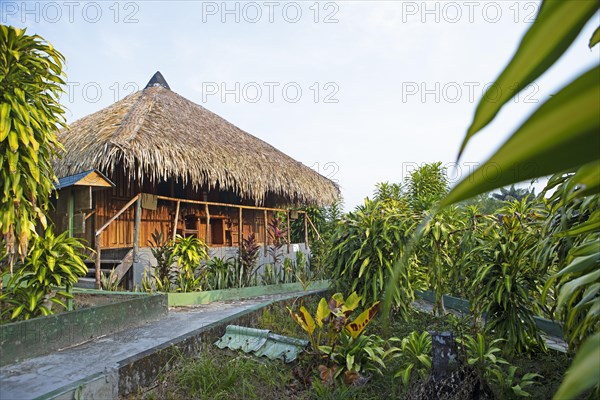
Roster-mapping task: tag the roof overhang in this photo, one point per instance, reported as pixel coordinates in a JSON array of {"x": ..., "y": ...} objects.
[{"x": 93, "y": 178}]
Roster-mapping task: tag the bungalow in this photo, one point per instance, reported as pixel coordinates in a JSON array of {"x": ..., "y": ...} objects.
[{"x": 155, "y": 161}]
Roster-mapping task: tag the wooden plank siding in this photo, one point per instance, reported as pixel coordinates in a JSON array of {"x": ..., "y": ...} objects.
[
  {"x": 191, "y": 221},
  {"x": 224, "y": 220}
]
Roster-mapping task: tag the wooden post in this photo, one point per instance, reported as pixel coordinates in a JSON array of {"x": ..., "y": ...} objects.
[
  {"x": 98, "y": 257},
  {"x": 68, "y": 288},
  {"x": 288, "y": 232},
  {"x": 208, "y": 233},
  {"x": 176, "y": 221},
  {"x": 306, "y": 229},
  {"x": 240, "y": 229},
  {"x": 71, "y": 211},
  {"x": 136, "y": 229},
  {"x": 266, "y": 235}
]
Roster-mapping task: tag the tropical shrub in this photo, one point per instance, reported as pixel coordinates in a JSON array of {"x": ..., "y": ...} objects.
[
  {"x": 511, "y": 385},
  {"x": 359, "y": 357},
  {"x": 279, "y": 238},
  {"x": 366, "y": 245},
  {"x": 507, "y": 281},
  {"x": 188, "y": 252},
  {"x": 288, "y": 270},
  {"x": 481, "y": 354},
  {"x": 490, "y": 367},
  {"x": 335, "y": 338},
  {"x": 437, "y": 251},
  {"x": 151, "y": 282},
  {"x": 269, "y": 276},
  {"x": 415, "y": 357},
  {"x": 185, "y": 272},
  {"x": 30, "y": 115},
  {"x": 464, "y": 270},
  {"x": 54, "y": 262},
  {"x": 570, "y": 250},
  {"x": 248, "y": 256},
  {"x": 302, "y": 272},
  {"x": 162, "y": 250},
  {"x": 388, "y": 191},
  {"x": 560, "y": 135},
  {"x": 426, "y": 186},
  {"x": 221, "y": 274},
  {"x": 109, "y": 281},
  {"x": 325, "y": 220}
]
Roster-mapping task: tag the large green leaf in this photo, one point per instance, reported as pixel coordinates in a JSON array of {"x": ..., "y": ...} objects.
[
  {"x": 595, "y": 38},
  {"x": 573, "y": 286},
  {"x": 591, "y": 225},
  {"x": 583, "y": 372},
  {"x": 587, "y": 179},
  {"x": 557, "y": 25},
  {"x": 561, "y": 134}
]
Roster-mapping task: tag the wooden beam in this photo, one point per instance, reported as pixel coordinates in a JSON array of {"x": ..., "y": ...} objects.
[
  {"x": 208, "y": 232},
  {"x": 137, "y": 222},
  {"x": 121, "y": 211},
  {"x": 306, "y": 230},
  {"x": 176, "y": 221},
  {"x": 87, "y": 216},
  {"x": 315, "y": 229},
  {"x": 98, "y": 256},
  {"x": 288, "y": 232},
  {"x": 210, "y": 203},
  {"x": 240, "y": 229},
  {"x": 71, "y": 211}
]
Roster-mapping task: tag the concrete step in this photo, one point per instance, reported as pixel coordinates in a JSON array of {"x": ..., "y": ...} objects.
[{"x": 86, "y": 283}]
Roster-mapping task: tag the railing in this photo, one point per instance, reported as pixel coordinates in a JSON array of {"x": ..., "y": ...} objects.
[
  {"x": 206, "y": 204},
  {"x": 307, "y": 220},
  {"x": 98, "y": 237}
]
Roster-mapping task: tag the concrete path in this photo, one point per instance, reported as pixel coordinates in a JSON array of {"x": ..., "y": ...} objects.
[{"x": 40, "y": 376}]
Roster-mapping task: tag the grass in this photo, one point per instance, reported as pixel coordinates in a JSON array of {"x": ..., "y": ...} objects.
[{"x": 224, "y": 374}]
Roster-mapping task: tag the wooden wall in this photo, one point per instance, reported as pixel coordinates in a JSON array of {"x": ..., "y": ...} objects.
[
  {"x": 119, "y": 234},
  {"x": 192, "y": 221}
]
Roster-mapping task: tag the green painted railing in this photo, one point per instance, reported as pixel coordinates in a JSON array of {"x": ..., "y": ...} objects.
[
  {"x": 194, "y": 298},
  {"x": 550, "y": 327}
]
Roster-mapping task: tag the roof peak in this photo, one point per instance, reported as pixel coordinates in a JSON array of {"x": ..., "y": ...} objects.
[{"x": 158, "y": 80}]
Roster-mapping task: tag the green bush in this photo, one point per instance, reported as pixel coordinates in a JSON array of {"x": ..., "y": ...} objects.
[
  {"x": 507, "y": 283},
  {"x": 367, "y": 243},
  {"x": 52, "y": 264}
]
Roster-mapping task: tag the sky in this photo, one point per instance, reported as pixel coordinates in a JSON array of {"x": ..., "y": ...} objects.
[{"x": 360, "y": 91}]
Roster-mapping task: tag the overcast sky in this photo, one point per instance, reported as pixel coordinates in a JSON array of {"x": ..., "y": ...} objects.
[{"x": 361, "y": 91}]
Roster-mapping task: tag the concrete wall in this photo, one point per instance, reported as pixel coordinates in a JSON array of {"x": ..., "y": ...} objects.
[
  {"x": 146, "y": 261},
  {"x": 142, "y": 370},
  {"x": 39, "y": 336},
  {"x": 193, "y": 298},
  {"x": 137, "y": 373}
]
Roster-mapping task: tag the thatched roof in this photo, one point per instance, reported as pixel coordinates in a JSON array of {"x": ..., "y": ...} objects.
[{"x": 156, "y": 135}]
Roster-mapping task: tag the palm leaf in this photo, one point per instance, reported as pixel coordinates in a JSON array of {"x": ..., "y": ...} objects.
[
  {"x": 583, "y": 372},
  {"x": 557, "y": 25},
  {"x": 561, "y": 134}
]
